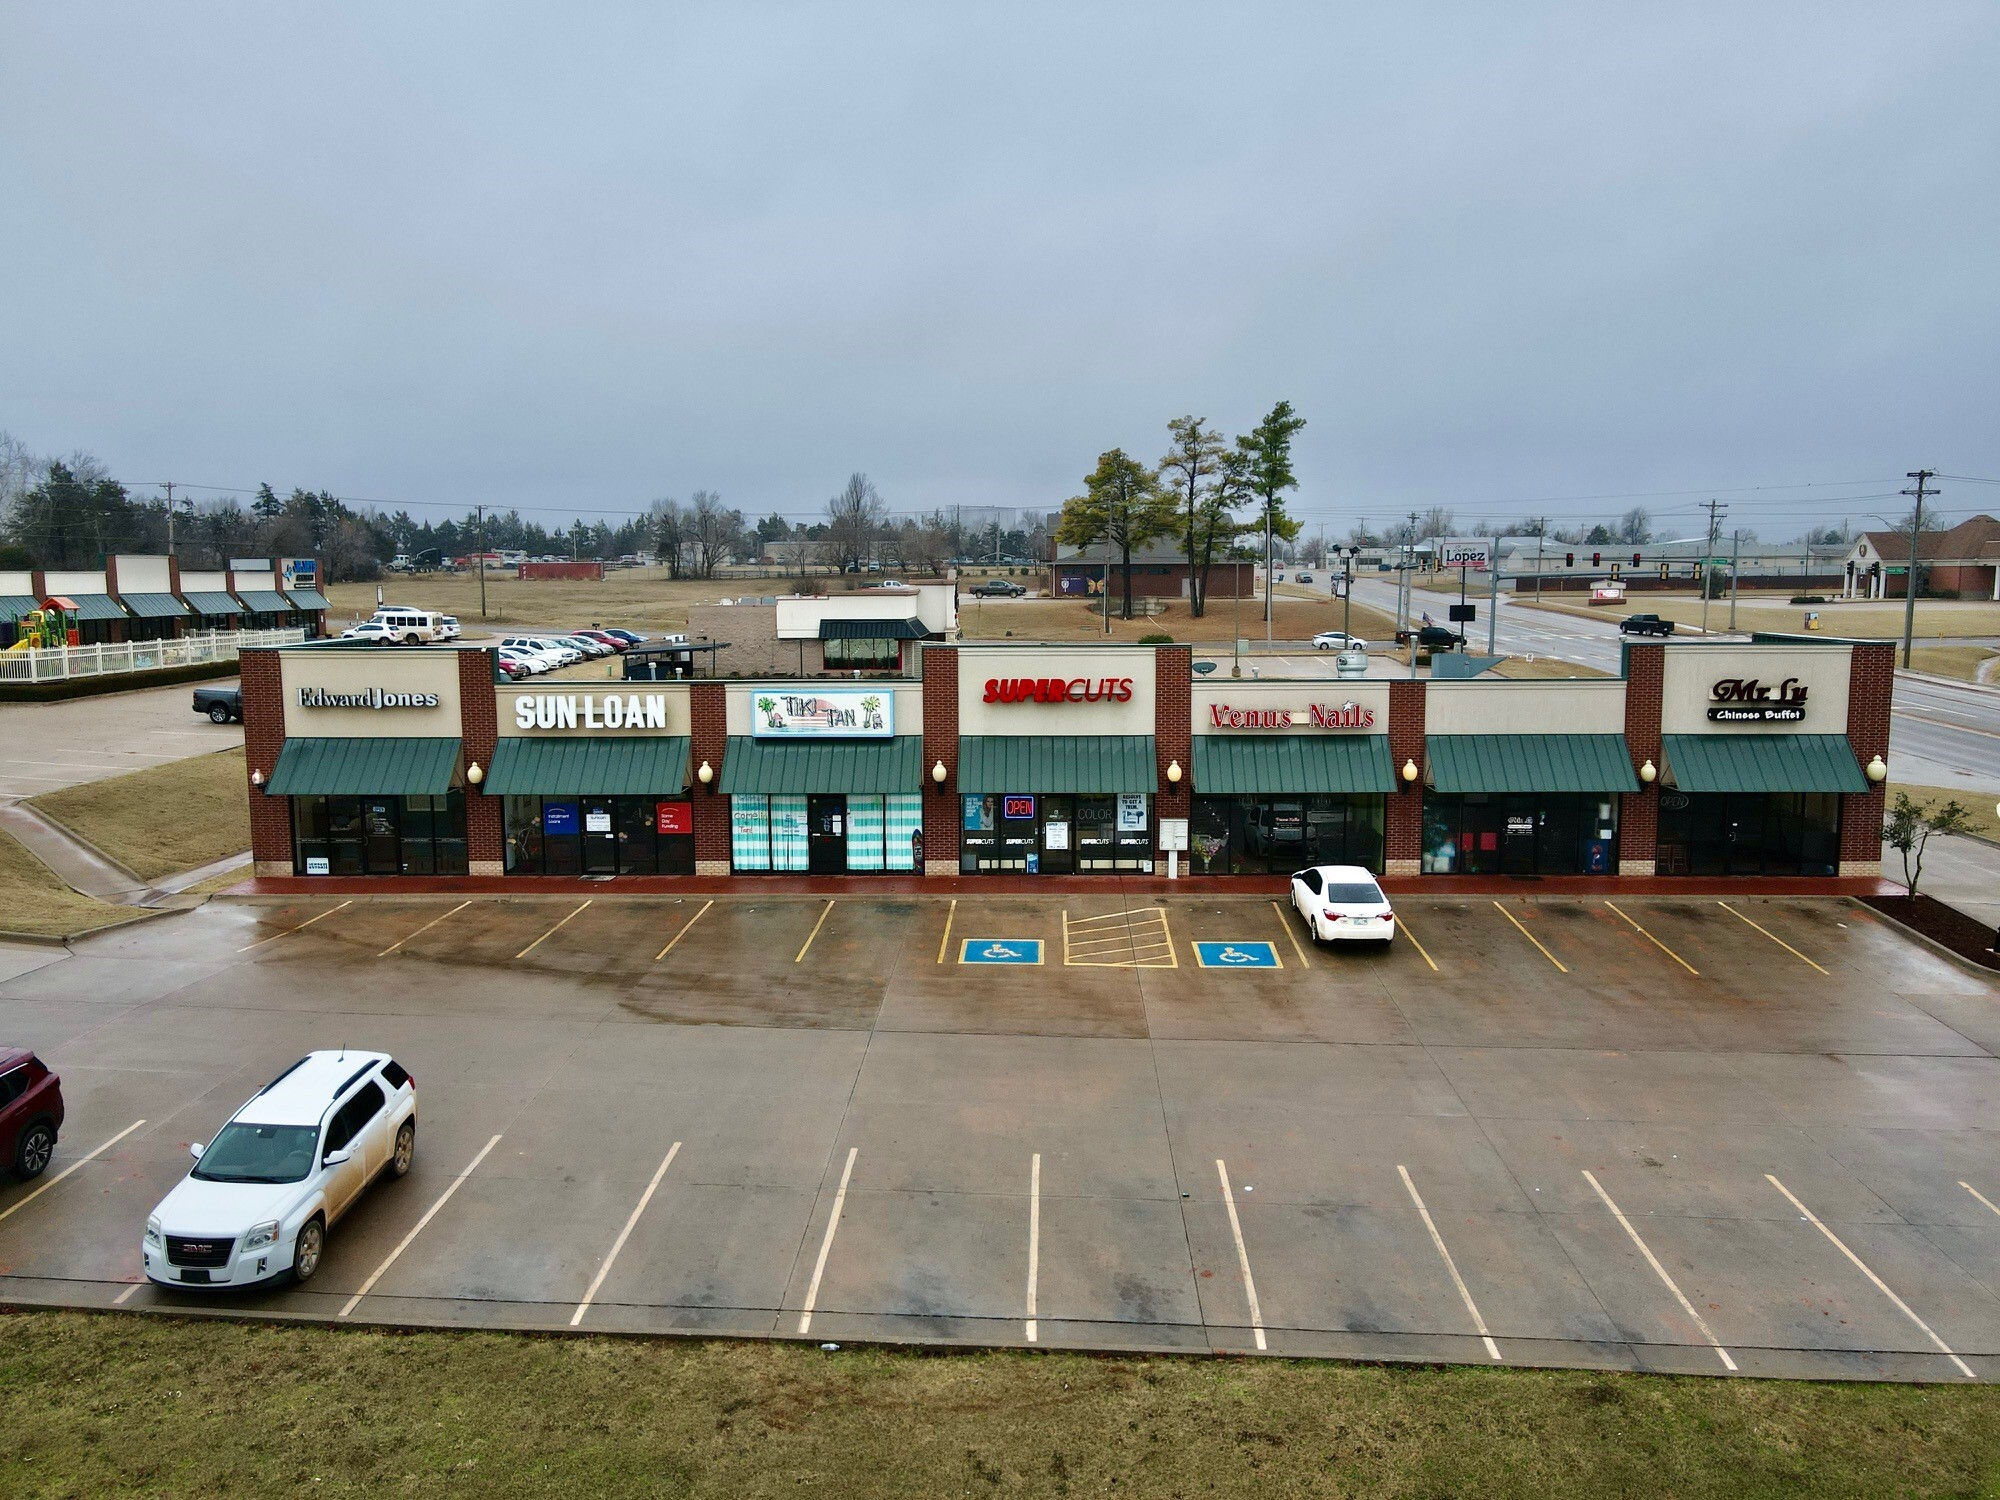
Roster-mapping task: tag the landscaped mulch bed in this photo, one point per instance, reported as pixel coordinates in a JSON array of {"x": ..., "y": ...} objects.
[{"x": 1941, "y": 924}]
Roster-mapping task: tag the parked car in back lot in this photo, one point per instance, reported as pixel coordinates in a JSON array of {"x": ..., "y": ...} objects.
[
  {"x": 1338, "y": 640},
  {"x": 282, "y": 1170},
  {"x": 223, "y": 705},
  {"x": 997, "y": 588},
  {"x": 374, "y": 632},
  {"x": 31, "y": 1113},
  {"x": 1343, "y": 904},
  {"x": 1645, "y": 625}
]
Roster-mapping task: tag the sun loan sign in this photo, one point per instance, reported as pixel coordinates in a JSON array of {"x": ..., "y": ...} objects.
[
  {"x": 590, "y": 711},
  {"x": 1745, "y": 700},
  {"x": 1348, "y": 715}
]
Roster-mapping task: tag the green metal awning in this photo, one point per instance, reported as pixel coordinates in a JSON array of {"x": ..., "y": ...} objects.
[
  {"x": 643, "y": 766},
  {"x": 13, "y": 606},
  {"x": 1530, "y": 763},
  {"x": 872, "y": 630},
  {"x": 264, "y": 601},
  {"x": 364, "y": 768},
  {"x": 1762, "y": 763},
  {"x": 154, "y": 606},
  {"x": 753, "y": 767},
  {"x": 308, "y": 598},
  {"x": 212, "y": 602},
  {"x": 1057, "y": 763},
  {"x": 1242, "y": 764},
  {"x": 95, "y": 606}
]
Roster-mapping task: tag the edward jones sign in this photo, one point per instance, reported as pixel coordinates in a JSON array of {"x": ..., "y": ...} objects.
[
  {"x": 1058, "y": 690},
  {"x": 1746, "y": 700},
  {"x": 1314, "y": 716},
  {"x": 374, "y": 697}
]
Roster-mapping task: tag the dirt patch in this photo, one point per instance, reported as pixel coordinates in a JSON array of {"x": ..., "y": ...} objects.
[{"x": 1942, "y": 924}]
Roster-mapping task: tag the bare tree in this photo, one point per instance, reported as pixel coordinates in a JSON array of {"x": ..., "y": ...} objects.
[
  {"x": 671, "y": 528},
  {"x": 714, "y": 532},
  {"x": 1437, "y": 521},
  {"x": 854, "y": 522}
]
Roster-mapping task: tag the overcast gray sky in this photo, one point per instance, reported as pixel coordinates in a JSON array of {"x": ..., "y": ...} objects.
[{"x": 575, "y": 257}]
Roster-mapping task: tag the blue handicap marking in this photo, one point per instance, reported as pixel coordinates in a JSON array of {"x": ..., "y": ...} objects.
[
  {"x": 1000, "y": 951},
  {"x": 1237, "y": 956}
]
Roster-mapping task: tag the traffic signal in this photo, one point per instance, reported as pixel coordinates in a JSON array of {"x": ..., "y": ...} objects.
[
  {"x": 1614, "y": 570},
  {"x": 1569, "y": 559},
  {"x": 1635, "y": 559},
  {"x": 1597, "y": 559}
]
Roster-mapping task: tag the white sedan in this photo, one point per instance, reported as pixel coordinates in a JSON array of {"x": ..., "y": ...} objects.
[
  {"x": 1343, "y": 904},
  {"x": 1338, "y": 640}
]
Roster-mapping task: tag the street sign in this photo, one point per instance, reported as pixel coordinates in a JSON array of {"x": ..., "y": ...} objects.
[
  {"x": 1000, "y": 951},
  {"x": 1462, "y": 614},
  {"x": 1257, "y": 955},
  {"x": 1465, "y": 552}
]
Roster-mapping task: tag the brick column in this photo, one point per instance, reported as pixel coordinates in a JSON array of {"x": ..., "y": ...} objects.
[
  {"x": 708, "y": 716},
  {"x": 1404, "y": 833},
  {"x": 1173, "y": 734},
  {"x": 479, "y": 727},
  {"x": 263, "y": 736},
  {"x": 1870, "y": 681},
  {"x": 941, "y": 821},
  {"x": 1639, "y": 812}
]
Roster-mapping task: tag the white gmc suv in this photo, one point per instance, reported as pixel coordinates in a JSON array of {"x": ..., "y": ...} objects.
[{"x": 286, "y": 1165}]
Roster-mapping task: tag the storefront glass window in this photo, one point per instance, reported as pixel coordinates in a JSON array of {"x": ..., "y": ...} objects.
[
  {"x": 1773, "y": 833},
  {"x": 750, "y": 833},
  {"x": 868, "y": 654},
  {"x": 423, "y": 835},
  {"x": 1278, "y": 834},
  {"x": 1520, "y": 833},
  {"x": 599, "y": 835},
  {"x": 864, "y": 833},
  {"x": 789, "y": 843}
]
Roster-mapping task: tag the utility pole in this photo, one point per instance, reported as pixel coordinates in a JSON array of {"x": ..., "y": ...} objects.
[
  {"x": 1715, "y": 509},
  {"x": 1922, "y": 477},
  {"x": 1540, "y": 538},
  {"x": 480, "y": 512},
  {"x": 1347, "y": 594},
  {"x": 1269, "y": 593},
  {"x": 170, "y": 517},
  {"x": 1735, "y": 568}
]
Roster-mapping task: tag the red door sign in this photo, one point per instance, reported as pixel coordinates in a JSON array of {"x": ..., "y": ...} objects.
[{"x": 675, "y": 817}]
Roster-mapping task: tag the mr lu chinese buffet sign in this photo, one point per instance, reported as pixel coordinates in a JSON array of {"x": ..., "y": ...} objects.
[
  {"x": 1745, "y": 700},
  {"x": 846, "y": 715},
  {"x": 1348, "y": 715}
]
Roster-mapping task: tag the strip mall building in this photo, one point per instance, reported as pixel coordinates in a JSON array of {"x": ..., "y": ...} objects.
[{"x": 1722, "y": 758}]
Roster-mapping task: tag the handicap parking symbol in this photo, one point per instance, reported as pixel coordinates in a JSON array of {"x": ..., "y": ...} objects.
[
  {"x": 1238, "y": 956},
  {"x": 1000, "y": 951}
]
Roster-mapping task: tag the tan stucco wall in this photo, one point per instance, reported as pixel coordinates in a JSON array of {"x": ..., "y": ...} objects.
[
  {"x": 1297, "y": 696},
  {"x": 976, "y": 665},
  {"x": 672, "y": 697},
  {"x": 143, "y": 574},
  {"x": 1692, "y": 672},
  {"x": 1584, "y": 707},
  {"x": 400, "y": 670}
]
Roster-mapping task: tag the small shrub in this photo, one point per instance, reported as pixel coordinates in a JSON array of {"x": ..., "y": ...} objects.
[
  {"x": 1808, "y": 598},
  {"x": 1157, "y": 638}
]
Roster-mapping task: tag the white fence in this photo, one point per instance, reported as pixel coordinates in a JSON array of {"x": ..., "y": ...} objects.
[{"x": 61, "y": 663}]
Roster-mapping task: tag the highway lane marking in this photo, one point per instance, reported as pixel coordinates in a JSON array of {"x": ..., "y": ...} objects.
[
  {"x": 1242, "y": 1255},
  {"x": 1661, "y": 1272},
  {"x": 1946, "y": 724},
  {"x": 1880, "y": 1285},
  {"x": 624, "y": 1234},
  {"x": 1034, "y": 1240},
  {"x": 1769, "y": 934},
  {"x": 417, "y": 1229},
  {"x": 683, "y": 932},
  {"x": 1464, "y": 1295},
  {"x": 825, "y": 912},
  {"x": 1530, "y": 937},
  {"x": 551, "y": 932},
  {"x": 950, "y": 915},
  {"x": 1405, "y": 928},
  {"x": 14, "y": 1208},
  {"x": 423, "y": 929},
  {"x": 826, "y": 1244},
  {"x": 1656, "y": 942},
  {"x": 1980, "y": 1196},
  {"x": 1285, "y": 922},
  {"x": 300, "y": 928}
]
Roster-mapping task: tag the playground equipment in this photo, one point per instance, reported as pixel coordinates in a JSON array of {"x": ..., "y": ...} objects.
[{"x": 54, "y": 624}]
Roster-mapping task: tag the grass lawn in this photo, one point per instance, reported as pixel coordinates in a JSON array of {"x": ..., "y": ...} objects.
[
  {"x": 109, "y": 1405},
  {"x": 1520, "y": 668},
  {"x": 1962, "y": 662},
  {"x": 164, "y": 820},
  {"x": 1979, "y": 804},
  {"x": 33, "y": 900}
]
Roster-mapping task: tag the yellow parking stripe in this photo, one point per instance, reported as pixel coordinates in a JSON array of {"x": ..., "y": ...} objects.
[
  {"x": 1769, "y": 934},
  {"x": 945, "y": 941},
  {"x": 300, "y": 928},
  {"x": 1291, "y": 932},
  {"x": 814, "y": 933},
  {"x": 551, "y": 932},
  {"x": 1658, "y": 944},
  {"x": 1530, "y": 937},
  {"x": 423, "y": 929},
  {"x": 683, "y": 932},
  {"x": 1405, "y": 926}
]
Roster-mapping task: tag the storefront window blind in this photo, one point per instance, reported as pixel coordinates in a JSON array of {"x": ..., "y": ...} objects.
[
  {"x": 750, "y": 832},
  {"x": 864, "y": 833},
  {"x": 902, "y": 817},
  {"x": 788, "y": 833}
]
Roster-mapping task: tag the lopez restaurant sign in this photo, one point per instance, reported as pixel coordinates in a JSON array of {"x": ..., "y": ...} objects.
[
  {"x": 1315, "y": 716},
  {"x": 1745, "y": 700}
]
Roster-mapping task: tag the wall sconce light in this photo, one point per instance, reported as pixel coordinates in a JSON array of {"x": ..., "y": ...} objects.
[
  {"x": 1174, "y": 772},
  {"x": 473, "y": 774},
  {"x": 706, "y": 774},
  {"x": 1877, "y": 771},
  {"x": 1648, "y": 773},
  {"x": 256, "y": 778},
  {"x": 938, "y": 773},
  {"x": 1409, "y": 773}
]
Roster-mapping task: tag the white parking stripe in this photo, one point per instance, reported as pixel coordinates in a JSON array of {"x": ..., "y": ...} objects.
[
  {"x": 418, "y": 1228},
  {"x": 1880, "y": 1285},
  {"x": 826, "y": 1245},
  {"x": 126, "y": 1296},
  {"x": 623, "y": 1235},
  {"x": 14, "y": 1208},
  {"x": 1034, "y": 1238},
  {"x": 1242, "y": 1255},
  {"x": 300, "y": 928},
  {"x": 1661, "y": 1271},
  {"x": 1450, "y": 1265},
  {"x": 1980, "y": 1196}
]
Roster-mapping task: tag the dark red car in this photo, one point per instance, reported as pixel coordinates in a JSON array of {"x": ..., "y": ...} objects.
[{"x": 31, "y": 1112}]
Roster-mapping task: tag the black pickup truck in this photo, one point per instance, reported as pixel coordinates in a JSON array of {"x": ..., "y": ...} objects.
[
  {"x": 222, "y": 705},
  {"x": 1431, "y": 638},
  {"x": 1645, "y": 625}
]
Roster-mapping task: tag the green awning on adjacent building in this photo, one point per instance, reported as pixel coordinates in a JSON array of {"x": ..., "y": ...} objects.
[
  {"x": 154, "y": 606},
  {"x": 1762, "y": 763},
  {"x": 212, "y": 602},
  {"x": 1057, "y": 763},
  {"x": 306, "y": 598},
  {"x": 1244, "y": 765},
  {"x": 872, "y": 630},
  {"x": 95, "y": 606},
  {"x": 13, "y": 606},
  {"x": 364, "y": 768},
  {"x": 642, "y": 766},
  {"x": 1530, "y": 763},
  {"x": 264, "y": 601},
  {"x": 760, "y": 768}
]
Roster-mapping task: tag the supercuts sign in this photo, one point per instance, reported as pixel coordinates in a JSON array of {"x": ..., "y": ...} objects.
[
  {"x": 1058, "y": 690},
  {"x": 1746, "y": 700},
  {"x": 1348, "y": 715},
  {"x": 374, "y": 697}
]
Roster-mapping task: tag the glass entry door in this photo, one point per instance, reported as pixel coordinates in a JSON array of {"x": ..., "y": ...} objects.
[
  {"x": 600, "y": 837},
  {"x": 382, "y": 843},
  {"x": 826, "y": 835},
  {"x": 1058, "y": 835}
]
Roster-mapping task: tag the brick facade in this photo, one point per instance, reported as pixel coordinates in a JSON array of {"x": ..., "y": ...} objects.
[
  {"x": 1403, "y": 837},
  {"x": 263, "y": 737},
  {"x": 940, "y": 670},
  {"x": 1871, "y": 681},
  {"x": 479, "y": 719},
  {"x": 1173, "y": 734},
  {"x": 708, "y": 718},
  {"x": 1639, "y": 812}
]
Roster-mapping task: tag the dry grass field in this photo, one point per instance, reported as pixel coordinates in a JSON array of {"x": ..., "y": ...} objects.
[
  {"x": 1937, "y": 619},
  {"x": 1297, "y": 619},
  {"x": 33, "y": 900},
  {"x": 160, "y": 821}
]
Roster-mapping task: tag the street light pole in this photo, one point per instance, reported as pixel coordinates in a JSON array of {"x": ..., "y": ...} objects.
[{"x": 1922, "y": 477}]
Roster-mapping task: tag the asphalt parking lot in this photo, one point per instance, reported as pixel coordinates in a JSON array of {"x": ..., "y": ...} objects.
[{"x": 1752, "y": 1137}]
